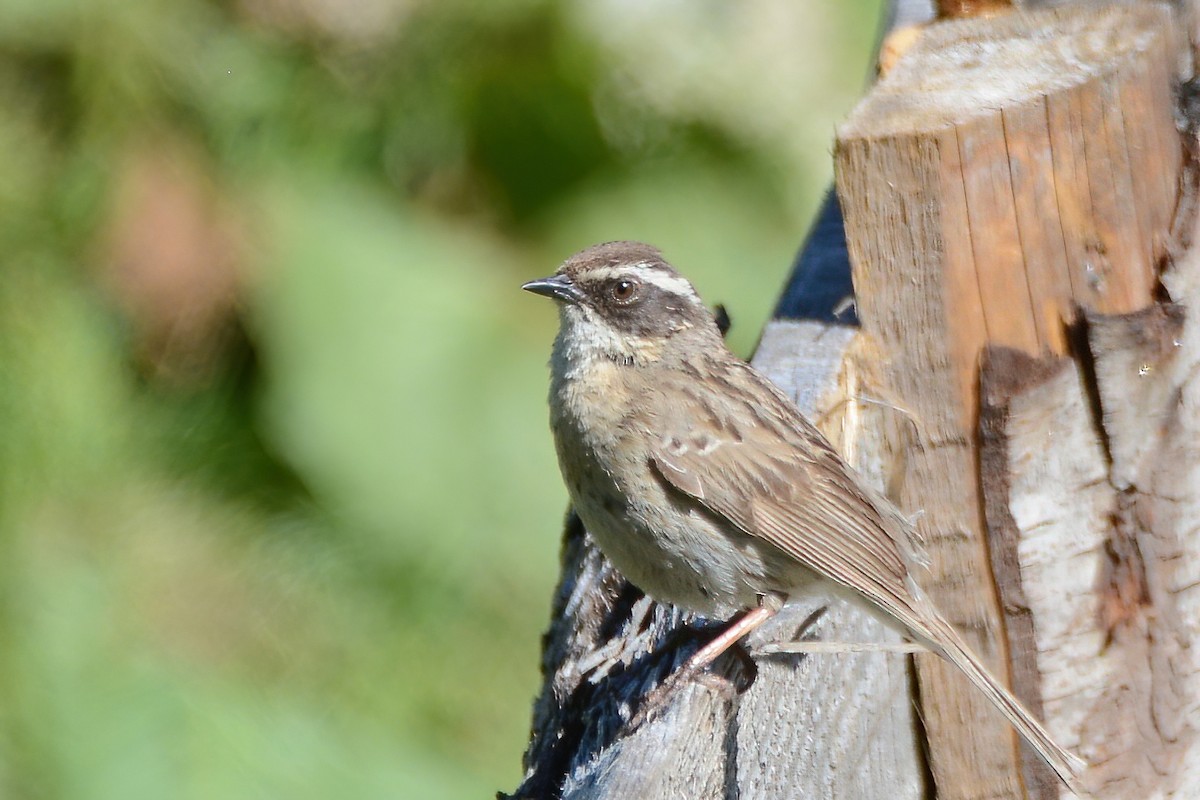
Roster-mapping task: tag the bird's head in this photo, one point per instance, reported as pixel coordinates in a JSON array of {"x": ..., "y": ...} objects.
[{"x": 623, "y": 301}]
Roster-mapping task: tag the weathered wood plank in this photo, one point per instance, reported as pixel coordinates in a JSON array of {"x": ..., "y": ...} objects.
[
  {"x": 1102, "y": 516},
  {"x": 1059, "y": 502},
  {"x": 993, "y": 234},
  {"x": 850, "y": 727},
  {"x": 992, "y": 183},
  {"x": 1005, "y": 374},
  {"x": 1043, "y": 248},
  {"x": 1145, "y": 726}
]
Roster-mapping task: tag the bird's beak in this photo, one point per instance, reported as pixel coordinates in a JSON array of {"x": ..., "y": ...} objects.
[{"x": 556, "y": 287}]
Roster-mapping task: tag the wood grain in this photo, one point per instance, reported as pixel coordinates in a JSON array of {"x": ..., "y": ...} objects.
[
  {"x": 1098, "y": 508},
  {"x": 1005, "y": 374},
  {"x": 1006, "y": 172}
]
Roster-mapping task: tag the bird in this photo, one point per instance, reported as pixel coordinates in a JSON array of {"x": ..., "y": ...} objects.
[{"x": 707, "y": 488}]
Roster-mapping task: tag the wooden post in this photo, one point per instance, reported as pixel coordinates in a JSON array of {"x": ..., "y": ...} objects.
[{"x": 1004, "y": 173}]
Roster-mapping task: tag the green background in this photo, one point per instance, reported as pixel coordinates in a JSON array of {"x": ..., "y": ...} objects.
[{"x": 279, "y": 513}]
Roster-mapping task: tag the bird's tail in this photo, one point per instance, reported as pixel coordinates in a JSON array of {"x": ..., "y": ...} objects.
[{"x": 1069, "y": 766}]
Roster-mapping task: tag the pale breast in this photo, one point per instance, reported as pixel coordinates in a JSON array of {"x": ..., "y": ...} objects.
[{"x": 665, "y": 543}]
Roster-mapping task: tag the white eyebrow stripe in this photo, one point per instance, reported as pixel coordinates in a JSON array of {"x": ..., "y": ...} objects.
[{"x": 674, "y": 284}]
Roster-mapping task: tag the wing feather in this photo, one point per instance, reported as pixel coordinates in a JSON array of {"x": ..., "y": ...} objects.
[{"x": 781, "y": 481}]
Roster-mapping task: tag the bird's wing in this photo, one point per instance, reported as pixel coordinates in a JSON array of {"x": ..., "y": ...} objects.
[
  {"x": 776, "y": 478},
  {"x": 780, "y": 480}
]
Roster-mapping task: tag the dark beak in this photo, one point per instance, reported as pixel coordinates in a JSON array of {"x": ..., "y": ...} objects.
[{"x": 556, "y": 287}]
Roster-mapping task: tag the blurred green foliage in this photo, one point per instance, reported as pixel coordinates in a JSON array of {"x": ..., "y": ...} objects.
[{"x": 278, "y": 507}]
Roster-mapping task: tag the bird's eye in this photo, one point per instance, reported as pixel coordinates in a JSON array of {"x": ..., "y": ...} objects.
[{"x": 624, "y": 290}]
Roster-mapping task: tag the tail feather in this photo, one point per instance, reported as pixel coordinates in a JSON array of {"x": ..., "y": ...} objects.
[{"x": 1066, "y": 764}]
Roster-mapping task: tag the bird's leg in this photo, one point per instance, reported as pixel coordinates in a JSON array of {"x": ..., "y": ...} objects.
[
  {"x": 727, "y": 638},
  {"x": 733, "y": 632}
]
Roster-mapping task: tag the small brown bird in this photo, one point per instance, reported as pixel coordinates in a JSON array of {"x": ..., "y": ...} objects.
[{"x": 706, "y": 486}]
